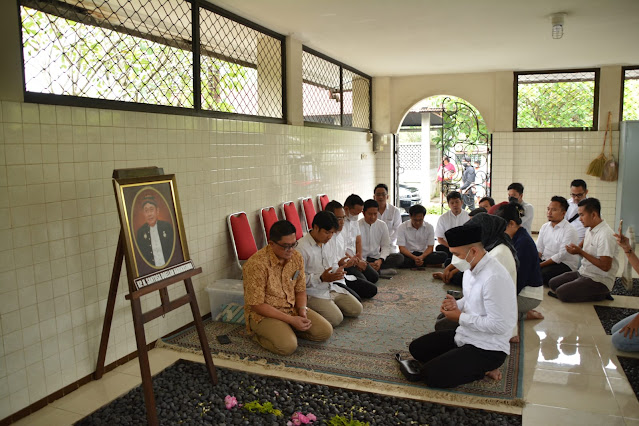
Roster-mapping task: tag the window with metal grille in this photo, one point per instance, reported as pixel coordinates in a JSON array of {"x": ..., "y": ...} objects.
[
  {"x": 334, "y": 94},
  {"x": 557, "y": 100},
  {"x": 630, "y": 96},
  {"x": 174, "y": 53}
]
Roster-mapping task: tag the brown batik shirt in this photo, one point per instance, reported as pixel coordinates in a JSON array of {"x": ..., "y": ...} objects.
[{"x": 266, "y": 280}]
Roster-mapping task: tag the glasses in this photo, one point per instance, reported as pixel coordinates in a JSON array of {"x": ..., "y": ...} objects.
[
  {"x": 287, "y": 247},
  {"x": 581, "y": 194}
]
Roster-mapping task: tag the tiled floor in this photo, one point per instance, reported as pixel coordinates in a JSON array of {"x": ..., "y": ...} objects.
[{"x": 571, "y": 374}]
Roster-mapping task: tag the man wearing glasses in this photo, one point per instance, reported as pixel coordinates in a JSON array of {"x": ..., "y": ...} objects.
[
  {"x": 275, "y": 295},
  {"x": 578, "y": 192}
]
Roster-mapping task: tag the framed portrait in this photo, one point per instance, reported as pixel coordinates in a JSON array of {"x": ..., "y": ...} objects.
[{"x": 154, "y": 235}]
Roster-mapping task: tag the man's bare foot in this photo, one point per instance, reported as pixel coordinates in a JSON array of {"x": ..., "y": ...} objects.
[
  {"x": 438, "y": 276},
  {"x": 514, "y": 339},
  {"x": 494, "y": 374},
  {"x": 534, "y": 315}
]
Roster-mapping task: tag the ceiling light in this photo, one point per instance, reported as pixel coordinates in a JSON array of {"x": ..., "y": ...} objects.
[{"x": 557, "y": 20}]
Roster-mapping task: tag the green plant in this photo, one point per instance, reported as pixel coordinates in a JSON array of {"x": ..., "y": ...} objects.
[
  {"x": 266, "y": 408},
  {"x": 344, "y": 421}
]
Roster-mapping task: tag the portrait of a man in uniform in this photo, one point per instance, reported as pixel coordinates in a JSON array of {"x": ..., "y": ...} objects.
[{"x": 155, "y": 238}]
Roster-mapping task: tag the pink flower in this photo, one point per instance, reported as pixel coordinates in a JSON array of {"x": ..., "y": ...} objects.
[
  {"x": 311, "y": 417},
  {"x": 300, "y": 419},
  {"x": 230, "y": 401}
]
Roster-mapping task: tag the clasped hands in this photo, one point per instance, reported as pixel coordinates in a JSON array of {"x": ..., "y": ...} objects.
[
  {"x": 449, "y": 308},
  {"x": 300, "y": 322},
  {"x": 328, "y": 276},
  {"x": 573, "y": 249}
]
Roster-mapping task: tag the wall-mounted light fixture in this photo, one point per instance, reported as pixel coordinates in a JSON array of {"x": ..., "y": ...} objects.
[{"x": 557, "y": 20}]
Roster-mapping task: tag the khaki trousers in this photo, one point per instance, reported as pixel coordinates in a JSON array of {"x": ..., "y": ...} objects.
[
  {"x": 280, "y": 338},
  {"x": 337, "y": 307}
]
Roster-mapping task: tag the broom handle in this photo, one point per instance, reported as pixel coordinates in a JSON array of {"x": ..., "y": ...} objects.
[
  {"x": 603, "y": 148},
  {"x": 610, "y": 132}
]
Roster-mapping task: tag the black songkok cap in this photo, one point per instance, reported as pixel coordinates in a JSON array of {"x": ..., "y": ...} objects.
[
  {"x": 463, "y": 235},
  {"x": 149, "y": 199}
]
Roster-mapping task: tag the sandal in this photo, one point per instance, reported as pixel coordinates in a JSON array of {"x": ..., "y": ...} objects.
[{"x": 410, "y": 368}]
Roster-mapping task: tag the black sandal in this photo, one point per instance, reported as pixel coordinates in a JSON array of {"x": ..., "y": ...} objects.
[{"x": 410, "y": 368}]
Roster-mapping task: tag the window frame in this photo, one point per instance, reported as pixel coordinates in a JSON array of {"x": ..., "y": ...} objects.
[
  {"x": 623, "y": 86},
  {"x": 595, "y": 112},
  {"x": 342, "y": 66},
  {"x": 197, "y": 111}
]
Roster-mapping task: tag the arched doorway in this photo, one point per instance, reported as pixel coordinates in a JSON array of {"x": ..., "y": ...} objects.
[{"x": 437, "y": 128}]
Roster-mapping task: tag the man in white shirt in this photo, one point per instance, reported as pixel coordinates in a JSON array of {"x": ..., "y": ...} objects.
[
  {"x": 596, "y": 276},
  {"x": 451, "y": 219},
  {"x": 155, "y": 238},
  {"x": 516, "y": 194},
  {"x": 578, "y": 192},
  {"x": 353, "y": 206},
  {"x": 554, "y": 236},
  {"x": 337, "y": 245},
  {"x": 325, "y": 285},
  {"x": 416, "y": 240},
  {"x": 486, "y": 315},
  {"x": 388, "y": 213},
  {"x": 376, "y": 243}
]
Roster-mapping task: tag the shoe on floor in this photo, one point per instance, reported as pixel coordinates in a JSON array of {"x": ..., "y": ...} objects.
[
  {"x": 552, "y": 294},
  {"x": 388, "y": 272}
]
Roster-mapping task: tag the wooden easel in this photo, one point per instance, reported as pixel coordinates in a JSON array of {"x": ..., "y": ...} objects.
[{"x": 140, "y": 318}]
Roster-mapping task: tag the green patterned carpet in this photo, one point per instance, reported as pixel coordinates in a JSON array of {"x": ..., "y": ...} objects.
[{"x": 404, "y": 308}]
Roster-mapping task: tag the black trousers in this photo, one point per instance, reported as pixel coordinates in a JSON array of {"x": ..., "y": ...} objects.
[
  {"x": 551, "y": 271},
  {"x": 435, "y": 258},
  {"x": 365, "y": 289},
  {"x": 443, "y": 248},
  {"x": 445, "y": 365},
  {"x": 368, "y": 274},
  {"x": 393, "y": 260}
]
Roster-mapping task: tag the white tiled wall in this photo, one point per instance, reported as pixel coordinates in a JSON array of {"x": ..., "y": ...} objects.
[
  {"x": 59, "y": 223},
  {"x": 545, "y": 163}
]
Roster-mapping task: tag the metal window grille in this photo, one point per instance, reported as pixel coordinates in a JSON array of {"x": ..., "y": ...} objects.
[
  {"x": 334, "y": 95},
  {"x": 410, "y": 156},
  {"x": 630, "y": 98},
  {"x": 142, "y": 51},
  {"x": 558, "y": 100}
]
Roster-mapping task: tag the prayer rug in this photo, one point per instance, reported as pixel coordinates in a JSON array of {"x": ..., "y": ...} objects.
[
  {"x": 609, "y": 315},
  {"x": 364, "y": 348},
  {"x": 185, "y": 395}
]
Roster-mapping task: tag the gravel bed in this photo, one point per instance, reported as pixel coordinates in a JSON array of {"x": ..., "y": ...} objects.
[
  {"x": 631, "y": 369},
  {"x": 620, "y": 290},
  {"x": 184, "y": 395},
  {"x": 609, "y": 316}
]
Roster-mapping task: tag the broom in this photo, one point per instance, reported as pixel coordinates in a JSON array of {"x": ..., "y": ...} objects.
[
  {"x": 610, "y": 168},
  {"x": 596, "y": 166}
]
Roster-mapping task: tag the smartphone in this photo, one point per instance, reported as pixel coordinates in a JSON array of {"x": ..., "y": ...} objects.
[
  {"x": 455, "y": 293},
  {"x": 223, "y": 339}
]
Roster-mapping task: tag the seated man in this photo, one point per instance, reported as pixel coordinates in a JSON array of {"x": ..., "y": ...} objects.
[
  {"x": 578, "y": 192},
  {"x": 353, "y": 206},
  {"x": 516, "y": 195},
  {"x": 451, "y": 219},
  {"x": 487, "y": 203},
  {"x": 325, "y": 286},
  {"x": 416, "y": 239},
  {"x": 376, "y": 243},
  {"x": 554, "y": 236},
  {"x": 486, "y": 315},
  {"x": 389, "y": 214},
  {"x": 358, "y": 283},
  {"x": 275, "y": 295},
  {"x": 596, "y": 276}
]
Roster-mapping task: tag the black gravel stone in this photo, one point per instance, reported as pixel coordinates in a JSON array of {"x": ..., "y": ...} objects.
[
  {"x": 609, "y": 316},
  {"x": 184, "y": 395},
  {"x": 631, "y": 369},
  {"x": 620, "y": 290}
]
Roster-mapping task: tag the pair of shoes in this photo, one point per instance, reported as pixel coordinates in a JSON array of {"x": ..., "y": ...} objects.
[
  {"x": 388, "y": 272},
  {"x": 552, "y": 294},
  {"x": 410, "y": 368}
]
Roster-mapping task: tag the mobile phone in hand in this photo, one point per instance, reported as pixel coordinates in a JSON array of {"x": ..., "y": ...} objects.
[{"x": 223, "y": 339}]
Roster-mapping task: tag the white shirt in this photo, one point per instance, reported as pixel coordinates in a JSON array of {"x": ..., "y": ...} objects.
[
  {"x": 600, "y": 241},
  {"x": 504, "y": 256},
  {"x": 529, "y": 214},
  {"x": 350, "y": 231},
  {"x": 393, "y": 219},
  {"x": 375, "y": 240},
  {"x": 317, "y": 258},
  {"x": 415, "y": 239},
  {"x": 448, "y": 220},
  {"x": 552, "y": 242},
  {"x": 489, "y": 307},
  {"x": 156, "y": 245},
  {"x": 573, "y": 209}
]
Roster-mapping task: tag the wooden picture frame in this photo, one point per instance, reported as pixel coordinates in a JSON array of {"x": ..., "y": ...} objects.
[{"x": 153, "y": 230}]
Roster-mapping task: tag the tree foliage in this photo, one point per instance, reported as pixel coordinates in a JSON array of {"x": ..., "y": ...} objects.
[{"x": 631, "y": 99}]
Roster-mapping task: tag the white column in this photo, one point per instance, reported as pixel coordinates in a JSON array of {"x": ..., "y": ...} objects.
[
  {"x": 425, "y": 188},
  {"x": 294, "y": 93}
]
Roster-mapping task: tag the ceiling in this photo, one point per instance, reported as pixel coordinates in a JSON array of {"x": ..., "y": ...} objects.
[{"x": 413, "y": 37}]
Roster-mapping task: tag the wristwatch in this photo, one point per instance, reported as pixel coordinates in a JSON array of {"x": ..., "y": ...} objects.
[{"x": 303, "y": 307}]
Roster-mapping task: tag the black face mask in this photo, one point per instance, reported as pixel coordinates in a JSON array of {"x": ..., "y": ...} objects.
[{"x": 513, "y": 200}]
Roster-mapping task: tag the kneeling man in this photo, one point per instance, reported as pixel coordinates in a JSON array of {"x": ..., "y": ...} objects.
[
  {"x": 325, "y": 285},
  {"x": 416, "y": 239},
  {"x": 486, "y": 314},
  {"x": 275, "y": 295}
]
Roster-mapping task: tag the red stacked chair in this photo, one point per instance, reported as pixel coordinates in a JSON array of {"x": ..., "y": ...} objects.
[
  {"x": 322, "y": 201},
  {"x": 243, "y": 242},
  {"x": 289, "y": 211},
  {"x": 308, "y": 211},
  {"x": 268, "y": 217}
]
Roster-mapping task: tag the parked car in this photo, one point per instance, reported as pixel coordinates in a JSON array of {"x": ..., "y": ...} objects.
[{"x": 408, "y": 196}]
